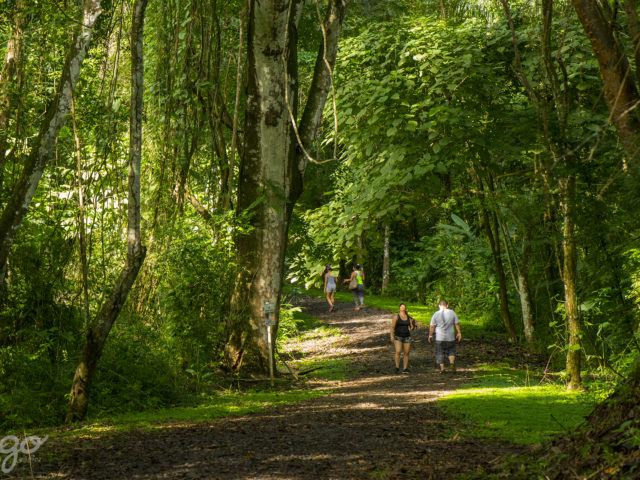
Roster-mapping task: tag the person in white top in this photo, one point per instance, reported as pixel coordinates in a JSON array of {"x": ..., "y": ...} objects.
[
  {"x": 441, "y": 328},
  {"x": 330, "y": 287}
]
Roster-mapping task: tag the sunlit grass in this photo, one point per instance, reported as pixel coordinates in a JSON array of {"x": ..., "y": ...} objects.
[
  {"x": 327, "y": 369},
  {"x": 510, "y": 405},
  {"x": 224, "y": 404}
]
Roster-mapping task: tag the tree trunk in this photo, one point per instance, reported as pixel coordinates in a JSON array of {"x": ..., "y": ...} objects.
[
  {"x": 502, "y": 283},
  {"x": 272, "y": 168},
  {"x": 620, "y": 91},
  {"x": 494, "y": 243},
  {"x": 10, "y": 69},
  {"x": 99, "y": 331},
  {"x": 386, "y": 260},
  {"x": 524, "y": 291},
  {"x": 44, "y": 146},
  {"x": 574, "y": 354},
  {"x": 236, "y": 110}
]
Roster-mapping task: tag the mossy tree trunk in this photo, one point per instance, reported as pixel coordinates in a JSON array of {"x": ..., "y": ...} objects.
[{"x": 273, "y": 165}]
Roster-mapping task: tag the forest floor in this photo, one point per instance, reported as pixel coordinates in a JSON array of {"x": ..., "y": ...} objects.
[{"x": 374, "y": 425}]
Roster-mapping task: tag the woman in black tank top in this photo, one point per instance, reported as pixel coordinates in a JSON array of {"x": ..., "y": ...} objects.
[{"x": 401, "y": 327}]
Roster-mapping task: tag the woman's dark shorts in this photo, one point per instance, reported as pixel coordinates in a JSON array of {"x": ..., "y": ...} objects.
[
  {"x": 402, "y": 339},
  {"x": 445, "y": 349}
]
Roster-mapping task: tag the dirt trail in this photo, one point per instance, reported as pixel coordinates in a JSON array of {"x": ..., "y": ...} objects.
[{"x": 376, "y": 425}]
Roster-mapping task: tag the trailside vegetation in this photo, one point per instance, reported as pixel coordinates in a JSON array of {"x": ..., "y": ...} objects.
[{"x": 482, "y": 152}]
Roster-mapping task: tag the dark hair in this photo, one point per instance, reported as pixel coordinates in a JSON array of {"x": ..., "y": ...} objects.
[
  {"x": 357, "y": 266},
  {"x": 409, "y": 317},
  {"x": 443, "y": 302}
]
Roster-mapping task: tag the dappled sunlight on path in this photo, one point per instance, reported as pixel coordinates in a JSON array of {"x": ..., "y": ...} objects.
[{"x": 377, "y": 424}]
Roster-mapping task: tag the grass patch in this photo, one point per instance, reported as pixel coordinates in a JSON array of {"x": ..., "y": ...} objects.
[
  {"x": 508, "y": 404},
  {"x": 327, "y": 369},
  {"x": 226, "y": 404}
]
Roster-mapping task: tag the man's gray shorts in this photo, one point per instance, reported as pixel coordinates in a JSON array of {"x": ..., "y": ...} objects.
[{"x": 445, "y": 349}]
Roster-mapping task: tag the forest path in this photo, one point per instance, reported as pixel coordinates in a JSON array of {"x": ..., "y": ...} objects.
[{"x": 377, "y": 424}]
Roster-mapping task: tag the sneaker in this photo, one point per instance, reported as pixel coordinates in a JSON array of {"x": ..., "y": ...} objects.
[
  {"x": 442, "y": 372},
  {"x": 452, "y": 368},
  {"x": 357, "y": 308},
  {"x": 397, "y": 370},
  {"x": 405, "y": 371}
]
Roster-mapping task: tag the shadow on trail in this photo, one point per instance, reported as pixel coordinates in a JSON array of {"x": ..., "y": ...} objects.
[{"x": 376, "y": 425}]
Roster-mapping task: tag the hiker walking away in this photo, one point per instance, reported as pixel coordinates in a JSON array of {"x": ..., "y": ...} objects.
[
  {"x": 330, "y": 287},
  {"x": 401, "y": 327},
  {"x": 442, "y": 325},
  {"x": 356, "y": 285}
]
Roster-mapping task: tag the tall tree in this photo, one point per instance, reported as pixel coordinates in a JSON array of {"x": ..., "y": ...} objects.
[
  {"x": 273, "y": 162},
  {"x": 44, "y": 146},
  {"x": 136, "y": 252}
]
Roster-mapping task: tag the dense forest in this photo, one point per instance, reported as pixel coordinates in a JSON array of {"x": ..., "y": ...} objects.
[{"x": 169, "y": 167}]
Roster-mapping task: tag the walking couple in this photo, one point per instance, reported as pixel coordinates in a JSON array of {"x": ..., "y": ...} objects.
[
  {"x": 356, "y": 285},
  {"x": 441, "y": 328}
]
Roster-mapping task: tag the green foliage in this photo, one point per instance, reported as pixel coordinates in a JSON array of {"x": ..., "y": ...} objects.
[{"x": 288, "y": 323}]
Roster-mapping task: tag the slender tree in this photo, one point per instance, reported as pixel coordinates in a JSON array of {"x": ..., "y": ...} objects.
[
  {"x": 106, "y": 317},
  {"x": 10, "y": 70},
  {"x": 44, "y": 146}
]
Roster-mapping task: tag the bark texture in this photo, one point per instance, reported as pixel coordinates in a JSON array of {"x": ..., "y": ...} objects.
[
  {"x": 272, "y": 165},
  {"x": 44, "y": 147},
  {"x": 574, "y": 355},
  {"x": 525, "y": 292},
  {"x": 97, "y": 334},
  {"x": 386, "y": 259},
  {"x": 10, "y": 68},
  {"x": 620, "y": 91}
]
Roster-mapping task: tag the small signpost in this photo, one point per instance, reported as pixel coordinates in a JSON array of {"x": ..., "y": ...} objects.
[{"x": 269, "y": 321}]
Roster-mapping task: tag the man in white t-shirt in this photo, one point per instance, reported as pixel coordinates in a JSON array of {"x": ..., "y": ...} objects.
[{"x": 442, "y": 327}]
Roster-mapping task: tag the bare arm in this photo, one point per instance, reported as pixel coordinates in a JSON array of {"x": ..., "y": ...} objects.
[
  {"x": 432, "y": 330},
  {"x": 393, "y": 327},
  {"x": 459, "y": 332},
  {"x": 325, "y": 281}
]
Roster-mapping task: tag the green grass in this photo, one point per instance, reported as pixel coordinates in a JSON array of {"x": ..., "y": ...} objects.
[
  {"x": 509, "y": 405},
  {"x": 225, "y": 404},
  {"x": 327, "y": 369}
]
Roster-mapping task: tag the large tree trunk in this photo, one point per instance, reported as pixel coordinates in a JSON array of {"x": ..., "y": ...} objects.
[
  {"x": 620, "y": 91},
  {"x": 44, "y": 146},
  {"x": 272, "y": 168},
  {"x": 99, "y": 331},
  {"x": 574, "y": 354}
]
